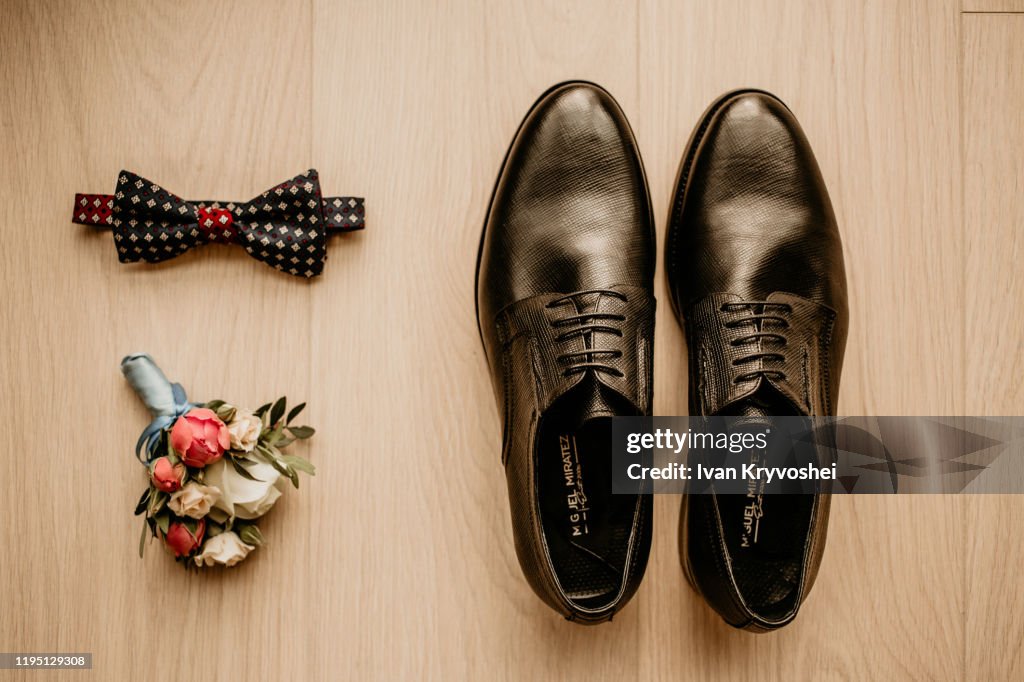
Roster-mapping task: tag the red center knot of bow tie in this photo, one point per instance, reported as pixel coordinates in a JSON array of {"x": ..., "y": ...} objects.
[{"x": 217, "y": 224}]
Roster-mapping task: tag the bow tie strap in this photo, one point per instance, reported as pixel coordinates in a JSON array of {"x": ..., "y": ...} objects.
[
  {"x": 95, "y": 210},
  {"x": 286, "y": 227},
  {"x": 344, "y": 214}
]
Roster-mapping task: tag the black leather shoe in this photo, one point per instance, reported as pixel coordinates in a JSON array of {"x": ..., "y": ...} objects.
[
  {"x": 755, "y": 267},
  {"x": 565, "y": 307}
]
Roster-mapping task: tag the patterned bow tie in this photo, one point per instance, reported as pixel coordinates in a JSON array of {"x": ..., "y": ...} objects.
[{"x": 286, "y": 227}]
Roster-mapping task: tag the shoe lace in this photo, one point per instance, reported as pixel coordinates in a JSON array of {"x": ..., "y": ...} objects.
[
  {"x": 763, "y": 315},
  {"x": 587, "y": 325}
]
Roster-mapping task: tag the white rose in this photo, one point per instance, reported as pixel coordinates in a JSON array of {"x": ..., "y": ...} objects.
[
  {"x": 226, "y": 549},
  {"x": 194, "y": 500},
  {"x": 245, "y": 430},
  {"x": 240, "y": 497}
]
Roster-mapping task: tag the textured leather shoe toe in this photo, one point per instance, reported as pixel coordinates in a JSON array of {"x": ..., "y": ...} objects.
[
  {"x": 755, "y": 269},
  {"x": 565, "y": 307}
]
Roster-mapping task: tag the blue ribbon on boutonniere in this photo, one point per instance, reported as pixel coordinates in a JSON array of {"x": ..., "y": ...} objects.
[{"x": 166, "y": 401}]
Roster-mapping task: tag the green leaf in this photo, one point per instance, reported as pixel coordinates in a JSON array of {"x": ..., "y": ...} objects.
[
  {"x": 276, "y": 463},
  {"x": 163, "y": 521},
  {"x": 214, "y": 405},
  {"x": 142, "y": 505},
  {"x": 283, "y": 442},
  {"x": 302, "y": 431},
  {"x": 299, "y": 464},
  {"x": 285, "y": 470},
  {"x": 251, "y": 535},
  {"x": 270, "y": 436},
  {"x": 261, "y": 409},
  {"x": 142, "y": 540},
  {"x": 156, "y": 501},
  {"x": 225, "y": 413},
  {"x": 268, "y": 452},
  {"x": 242, "y": 471},
  {"x": 294, "y": 412},
  {"x": 277, "y": 411}
]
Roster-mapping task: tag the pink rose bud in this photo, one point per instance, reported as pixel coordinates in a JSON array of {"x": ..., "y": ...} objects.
[
  {"x": 181, "y": 541},
  {"x": 167, "y": 477},
  {"x": 200, "y": 437}
]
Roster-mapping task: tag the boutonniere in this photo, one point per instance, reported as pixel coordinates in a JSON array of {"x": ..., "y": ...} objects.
[{"x": 214, "y": 468}]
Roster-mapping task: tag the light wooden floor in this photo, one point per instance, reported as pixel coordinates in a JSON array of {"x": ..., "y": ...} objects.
[{"x": 396, "y": 561}]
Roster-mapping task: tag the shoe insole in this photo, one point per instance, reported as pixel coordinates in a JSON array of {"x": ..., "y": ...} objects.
[
  {"x": 766, "y": 535},
  {"x": 587, "y": 529}
]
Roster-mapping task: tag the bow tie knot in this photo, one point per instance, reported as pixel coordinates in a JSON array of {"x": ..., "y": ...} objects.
[
  {"x": 217, "y": 224},
  {"x": 286, "y": 227}
]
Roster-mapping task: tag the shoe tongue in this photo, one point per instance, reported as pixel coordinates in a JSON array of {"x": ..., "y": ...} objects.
[
  {"x": 592, "y": 399},
  {"x": 765, "y": 402}
]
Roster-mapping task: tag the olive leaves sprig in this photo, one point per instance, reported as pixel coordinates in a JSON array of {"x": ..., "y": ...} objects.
[{"x": 278, "y": 432}]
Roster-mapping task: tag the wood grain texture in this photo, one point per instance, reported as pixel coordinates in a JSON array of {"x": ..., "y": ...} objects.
[
  {"x": 993, "y": 83},
  {"x": 993, "y": 5},
  {"x": 396, "y": 561}
]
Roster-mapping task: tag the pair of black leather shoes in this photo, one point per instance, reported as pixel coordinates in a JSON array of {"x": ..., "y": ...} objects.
[{"x": 565, "y": 305}]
